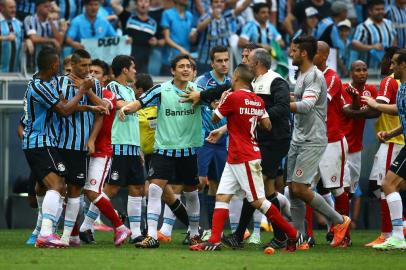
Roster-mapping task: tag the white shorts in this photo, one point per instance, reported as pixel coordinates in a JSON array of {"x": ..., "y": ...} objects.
[
  {"x": 97, "y": 174},
  {"x": 332, "y": 164},
  {"x": 243, "y": 179},
  {"x": 387, "y": 153},
  {"x": 352, "y": 171}
]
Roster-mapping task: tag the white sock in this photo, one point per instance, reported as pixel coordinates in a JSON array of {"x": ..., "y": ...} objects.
[
  {"x": 329, "y": 199},
  {"x": 235, "y": 212},
  {"x": 91, "y": 215},
  {"x": 59, "y": 216},
  {"x": 395, "y": 208},
  {"x": 134, "y": 205},
  {"x": 40, "y": 199},
  {"x": 257, "y": 221},
  {"x": 193, "y": 211},
  {"x": 71, "y": 214},
  {"x": 285, "y": 205},
  {"x": 49, "y": 211},
  {"x": 169, "y": 220},
  {"x": 153, "y": 209}
]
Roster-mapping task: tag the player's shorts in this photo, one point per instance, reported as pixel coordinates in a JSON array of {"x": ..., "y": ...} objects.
[
  {"x": 399, "y": 165},
  {"x": 387, "y": 153},
  {"x": 332, "y": 164},
  {"x": 43, "y": 161},
  {"x": 352, "y": 171},
  {"x": 76, "y": 161},
  {"x": 272, "y": 156},
  {"x": 211, "y": 160},
  {"x": 126, "y": 171},
  {"x": 243, "y": 179},
  {"x": 176, "y": 170},
  {"x": 303, "y": 163},
  {"x": 98, "y": 171}
]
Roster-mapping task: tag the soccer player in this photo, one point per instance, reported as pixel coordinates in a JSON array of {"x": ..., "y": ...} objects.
[
  {"x": 332, "y": 163},
  {"x": 395, "y": 177},
  {"x": 100, "y": 70},
  {"x": 100, "y": 151},
  {"x": 212, "y": 157},
  {"x": 242, "y": 173},
  {"x": 178, "y": 134},
  {"x": 73, "y": 137},
  {"x": 39, "y": 143},
  {"x": 309, "y": 140}
]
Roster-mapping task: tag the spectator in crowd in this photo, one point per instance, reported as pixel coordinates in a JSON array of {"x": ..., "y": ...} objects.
[
  {"x": 373, "y": 36},
  {"x": 11, "y": 37},
  {"x": 25, "y": 8},
  {"x": 260, "y": 31},
  {"x": 69, "y": 9},
  {"x": 308, "y": 26},
  {"x": 397, "y": 14},
  {"x": 144, "y": 33},
  {"x": 322, "y": 6},
  {"x": 344, "y": 31},
  {"x": 177, "y": 24},
  {"x": 215, "y": 29},
  {"x": 41, "y": 29},
  {"x": 88, "y": 25},
  {"x": 327, "y": 28}
]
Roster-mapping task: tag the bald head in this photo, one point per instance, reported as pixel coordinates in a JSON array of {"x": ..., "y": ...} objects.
[
  {"x": 8, "y": 8},
  {"x": 323, "y": 48},
  {"x": 358, "y": 64}
]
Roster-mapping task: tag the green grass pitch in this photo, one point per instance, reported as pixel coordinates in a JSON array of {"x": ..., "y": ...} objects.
[{"x": 14, "y": 254}]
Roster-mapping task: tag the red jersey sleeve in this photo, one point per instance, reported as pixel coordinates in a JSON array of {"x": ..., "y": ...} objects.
[
  {"x": 226, "y": 106},
  {"x": 334, "y": 86},
  {"x": 387, "y": 90},
  {"x": 110, "y": 97}
]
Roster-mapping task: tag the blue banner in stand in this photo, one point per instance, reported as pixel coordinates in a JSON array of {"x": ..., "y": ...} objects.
[{"x": 107, "y": 48}]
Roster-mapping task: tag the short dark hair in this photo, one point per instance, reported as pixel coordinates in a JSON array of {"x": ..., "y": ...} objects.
[
  {"x": 402, "y": 56},
  {"x": 103, "y": 65},
  {"x": 87, "y": 2},
  {"x": 79, "y": 54},
  {"x": 257, "y": 7},
  {"x": 245, "y": 74},
  {"x": 390, "y": 51},
  {"x": 143, "y": 81},
  {"x": 372, "y": 3},
  {"x": 179, "y": 57},
  {"x": 308, "y": 44},
  {"x": 120, "y": 62},
  {"x": 46, "y": 56},
  {"x": 250, "y": 46},
  {"x": 217, "y": 49}
]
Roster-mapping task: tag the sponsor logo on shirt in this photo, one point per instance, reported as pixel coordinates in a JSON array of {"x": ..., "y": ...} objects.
[{"x": 169, "y": 112}]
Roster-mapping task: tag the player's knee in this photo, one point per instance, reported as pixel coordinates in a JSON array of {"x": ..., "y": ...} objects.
[{"x": 136, "y": 190}]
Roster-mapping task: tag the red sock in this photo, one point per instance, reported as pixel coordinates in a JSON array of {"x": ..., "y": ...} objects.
[
  {"x": 386, "y": 223},
  {"x": 275, "y": 216},
  {"x": 342, "y": 204},
  {"x": 309, "y": 220},
  {"x": 106, "y": 208},
  {"x": 220, "y": 216},
  {"x": 75, "y": 230}
]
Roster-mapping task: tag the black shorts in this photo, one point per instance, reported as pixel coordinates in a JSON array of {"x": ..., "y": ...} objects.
[
  {"x": 43, "y": 161},
  {"x": 77, "y": 162},
  {"x": 399, "y": 165},
  {"x": 125, "y": 171},
  {"x": 176, "y": 170},
  {"x": 272, "y": 156}
]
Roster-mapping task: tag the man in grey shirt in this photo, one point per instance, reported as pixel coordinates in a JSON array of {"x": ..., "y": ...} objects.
[{"x": 309, "y": 140}]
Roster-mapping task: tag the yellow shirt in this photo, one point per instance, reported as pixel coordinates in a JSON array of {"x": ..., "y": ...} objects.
[
  {"x": 386, "y": 122},
  {"x": 147, "y": 120}
]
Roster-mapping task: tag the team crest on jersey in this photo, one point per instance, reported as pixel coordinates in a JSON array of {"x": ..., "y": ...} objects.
[
  {"x": 93, "y": 182},
  {"x": 114, "y": 175},
  {"x": 299, "y": 173},
  {"x": 366, "y": 93},
  {"x": 61, "y": 167},
  {"x": 334, "y": 178}
]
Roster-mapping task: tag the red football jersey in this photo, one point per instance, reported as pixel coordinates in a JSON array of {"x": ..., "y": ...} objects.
[
  {"x": 388, "y": 89},
  {"x": 335, "y": 116},
  {"x": 103, "y": 146},
  {"x": 355, "y": 127},
  {"x": 243, "y": 110}
]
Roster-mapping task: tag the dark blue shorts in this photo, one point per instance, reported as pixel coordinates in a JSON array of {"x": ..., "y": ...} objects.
[{"x": 211, "y": 160}]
